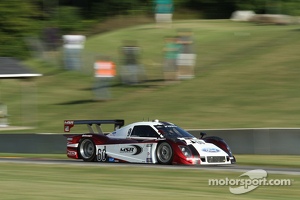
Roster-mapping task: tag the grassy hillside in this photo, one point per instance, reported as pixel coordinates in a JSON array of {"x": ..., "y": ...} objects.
[{"x": 247, "y": 76}]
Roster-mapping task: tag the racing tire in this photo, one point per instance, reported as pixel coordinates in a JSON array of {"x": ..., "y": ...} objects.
[
  {"x": 164, "y": 153},
  {"x": 87, "y": 150}
]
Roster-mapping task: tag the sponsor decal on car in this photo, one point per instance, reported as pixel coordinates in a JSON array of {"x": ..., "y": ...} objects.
[
  {"x": 170, "y": 126},
  {"x": 69, "y": 122},
  {"x": 131, "y": 149},
  {"x": 211, "y": 150},
  {"x": 87, "y": 136},
  {"x": 71, "y": 153}
]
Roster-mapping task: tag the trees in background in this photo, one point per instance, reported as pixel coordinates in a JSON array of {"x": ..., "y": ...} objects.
[
  {"x": 20, "y": 19},
  {"x": 224, "y": 8}
]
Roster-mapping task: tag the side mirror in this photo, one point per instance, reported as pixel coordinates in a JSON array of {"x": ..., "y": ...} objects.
[{"x": 202, "y": 134}]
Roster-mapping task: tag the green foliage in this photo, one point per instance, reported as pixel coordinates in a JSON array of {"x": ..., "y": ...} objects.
[
  {"x": 212, "y": 9},
  {"x": 216, "y": 8},
  {"x": 255, "y": 5},
  {"x": 20, "y": 19},
  {"x": 16, "y": 23},
  {"x": 68, "y": 19},
  {"x": 291, "y": 7}
]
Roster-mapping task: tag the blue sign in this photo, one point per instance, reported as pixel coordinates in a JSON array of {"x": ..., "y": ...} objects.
[
  {"x": 164, "y": 6},
  {"x": 164, "y": 1}
]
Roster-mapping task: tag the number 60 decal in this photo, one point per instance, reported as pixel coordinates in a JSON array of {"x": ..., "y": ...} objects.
[{"x": 101, "y": 157}]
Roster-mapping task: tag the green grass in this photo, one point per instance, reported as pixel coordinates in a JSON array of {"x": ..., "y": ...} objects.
[
  {"x": 27, "y": 181},
  {"x": 292, "y": 161},
  {"x": 247, "y": 76}
]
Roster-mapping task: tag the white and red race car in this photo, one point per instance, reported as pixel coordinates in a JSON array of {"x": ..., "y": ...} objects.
[{"x": 145, "y": 142}]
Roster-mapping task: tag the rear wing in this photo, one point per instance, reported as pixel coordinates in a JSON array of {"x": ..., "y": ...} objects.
[{"x": 68, "y": 124}]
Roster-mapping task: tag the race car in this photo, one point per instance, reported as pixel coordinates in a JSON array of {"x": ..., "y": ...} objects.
[{"x": 155, "y": 142}]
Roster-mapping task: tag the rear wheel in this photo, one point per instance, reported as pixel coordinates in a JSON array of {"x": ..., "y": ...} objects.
[
  {"x": 87, "y": 150},
  {"x": 164, "y": 153}
]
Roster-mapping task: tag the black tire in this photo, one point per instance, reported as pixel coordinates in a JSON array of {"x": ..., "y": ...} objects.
[
  {"x": 87, "y": 150},
  {"x": 164, "y": 153}
]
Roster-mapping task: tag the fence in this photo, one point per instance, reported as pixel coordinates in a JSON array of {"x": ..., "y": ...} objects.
[{"x": 241, "y": 141}]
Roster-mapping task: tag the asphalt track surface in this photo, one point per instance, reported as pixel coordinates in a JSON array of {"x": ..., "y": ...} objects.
[{"x": 232, "y": 168}]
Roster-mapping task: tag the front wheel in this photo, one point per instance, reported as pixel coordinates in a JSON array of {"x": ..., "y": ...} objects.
[
  {"x": 164, "y": 153},
  {"x": 87, "y": 150}
]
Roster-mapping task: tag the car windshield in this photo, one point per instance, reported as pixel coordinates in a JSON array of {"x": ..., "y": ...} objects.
[{"x": 173, "y": 131}]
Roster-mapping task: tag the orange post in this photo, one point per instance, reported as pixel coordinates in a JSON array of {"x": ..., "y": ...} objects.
[{"x": 105, "y": 69}]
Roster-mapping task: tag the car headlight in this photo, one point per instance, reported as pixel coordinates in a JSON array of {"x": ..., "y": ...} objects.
[{"x": 186, "y": 151}]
